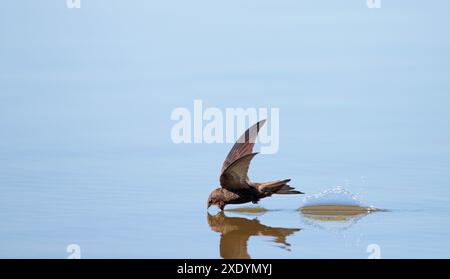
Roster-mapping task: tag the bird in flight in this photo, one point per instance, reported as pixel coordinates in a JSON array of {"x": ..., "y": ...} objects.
[{"x": 235, "y": 185}]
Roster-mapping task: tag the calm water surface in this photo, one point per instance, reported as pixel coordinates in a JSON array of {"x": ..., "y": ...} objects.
[{"x": 85, "y": 150}]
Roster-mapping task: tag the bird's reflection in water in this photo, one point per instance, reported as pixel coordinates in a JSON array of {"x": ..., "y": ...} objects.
[
  {"x": 334, "y": 217},
  {"x": 235, "y": 233}
]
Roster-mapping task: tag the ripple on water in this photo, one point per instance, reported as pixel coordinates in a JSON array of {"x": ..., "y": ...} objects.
[{"x": 334, "y": 209}]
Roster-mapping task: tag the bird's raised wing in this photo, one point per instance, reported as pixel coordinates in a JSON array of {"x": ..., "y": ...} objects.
[
  {"x": 235, "y": 176},
  {"x": 243, "y": 146}
]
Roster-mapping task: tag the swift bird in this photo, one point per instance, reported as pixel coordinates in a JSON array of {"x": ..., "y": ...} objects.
[{"x": 236, "y": 187}]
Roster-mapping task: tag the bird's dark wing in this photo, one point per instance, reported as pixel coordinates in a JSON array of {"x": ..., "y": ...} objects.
[
  {"x": 244, "y": 145},
  {"x": 235, "y": 176}
]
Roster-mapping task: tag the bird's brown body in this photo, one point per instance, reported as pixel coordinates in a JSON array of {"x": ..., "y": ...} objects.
[
  {"x": 237, "y": 196},
  {"x": 236, "y": 187}
]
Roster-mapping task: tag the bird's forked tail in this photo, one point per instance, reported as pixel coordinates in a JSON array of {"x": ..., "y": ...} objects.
[{"x": 278, "y": 187}]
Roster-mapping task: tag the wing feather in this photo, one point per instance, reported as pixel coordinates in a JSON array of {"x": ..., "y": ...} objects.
[
  {"x": 244, "y": 145},
  {"x": 235, "y": 176}
]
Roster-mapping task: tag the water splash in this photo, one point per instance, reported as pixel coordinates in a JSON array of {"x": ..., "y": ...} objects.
[
  {"x": 333, "y": 196},
  {"x": 332, "y": 225},
  {"x": 335, "y": 209}
]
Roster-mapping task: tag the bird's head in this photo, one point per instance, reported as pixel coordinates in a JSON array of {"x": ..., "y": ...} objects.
[{"x": 215, "y": 198}]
